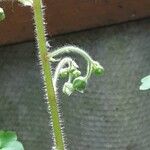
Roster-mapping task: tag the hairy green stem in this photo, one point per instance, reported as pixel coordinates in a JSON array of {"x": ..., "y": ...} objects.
[{"x": 46, "y": 69}]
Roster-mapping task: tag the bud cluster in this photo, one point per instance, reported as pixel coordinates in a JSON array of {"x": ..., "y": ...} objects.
[{"x": 76, "y": 82}]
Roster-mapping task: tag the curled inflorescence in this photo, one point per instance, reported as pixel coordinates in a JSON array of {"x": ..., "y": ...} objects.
[{"x": 68, "y": 68}]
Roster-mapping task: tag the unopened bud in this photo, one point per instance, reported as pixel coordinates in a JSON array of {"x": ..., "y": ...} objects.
[
  {"x": 64, "y": 72},
  {"x": 76, "y": 73},
  {"x": 79, "y": 84},
  {"x": 68, "y": 88},
  {"x": 97, "y": 69}
]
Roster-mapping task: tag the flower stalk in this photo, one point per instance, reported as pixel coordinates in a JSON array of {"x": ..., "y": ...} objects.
[{"x": 65, "y": 61}]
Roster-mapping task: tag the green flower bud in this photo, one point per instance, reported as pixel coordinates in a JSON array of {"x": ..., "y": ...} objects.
[
  {"x": 68, "y": 88},
  {"x": 76, "y": 73},
  {"x": 2, "y": 14},
  {"x": 79, "y": 84},
  {"x": 97, "y": 69},
  {"x": 64, "y": 72}
]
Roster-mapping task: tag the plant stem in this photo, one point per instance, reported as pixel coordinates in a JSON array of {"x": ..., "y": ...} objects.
[{"x": 46, "y": 69}]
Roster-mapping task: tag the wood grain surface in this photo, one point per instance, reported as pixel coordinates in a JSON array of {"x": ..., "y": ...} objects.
[{"x": 68, "y": 16}]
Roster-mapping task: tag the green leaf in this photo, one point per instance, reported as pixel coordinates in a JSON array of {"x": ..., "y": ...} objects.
[
  {"x": 8, "y": 141},
  {"x": 2, "y": 14},
  {"x": 145, "y": 83},
  {"x": 26, "y": 2}
]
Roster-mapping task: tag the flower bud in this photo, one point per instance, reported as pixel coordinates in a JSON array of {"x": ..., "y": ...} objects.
[
  {"x": 79, "y": 84},
  {"x": 97, "y": 69},
  {"x": 76, "y": 73},
  {"x": 2, "y": 14},
  {"x": 68, "y": 88},
  {"x": 64, "y": 72}
]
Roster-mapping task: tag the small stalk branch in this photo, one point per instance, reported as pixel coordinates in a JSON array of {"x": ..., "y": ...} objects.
[{"x": 61, "y": 64}]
